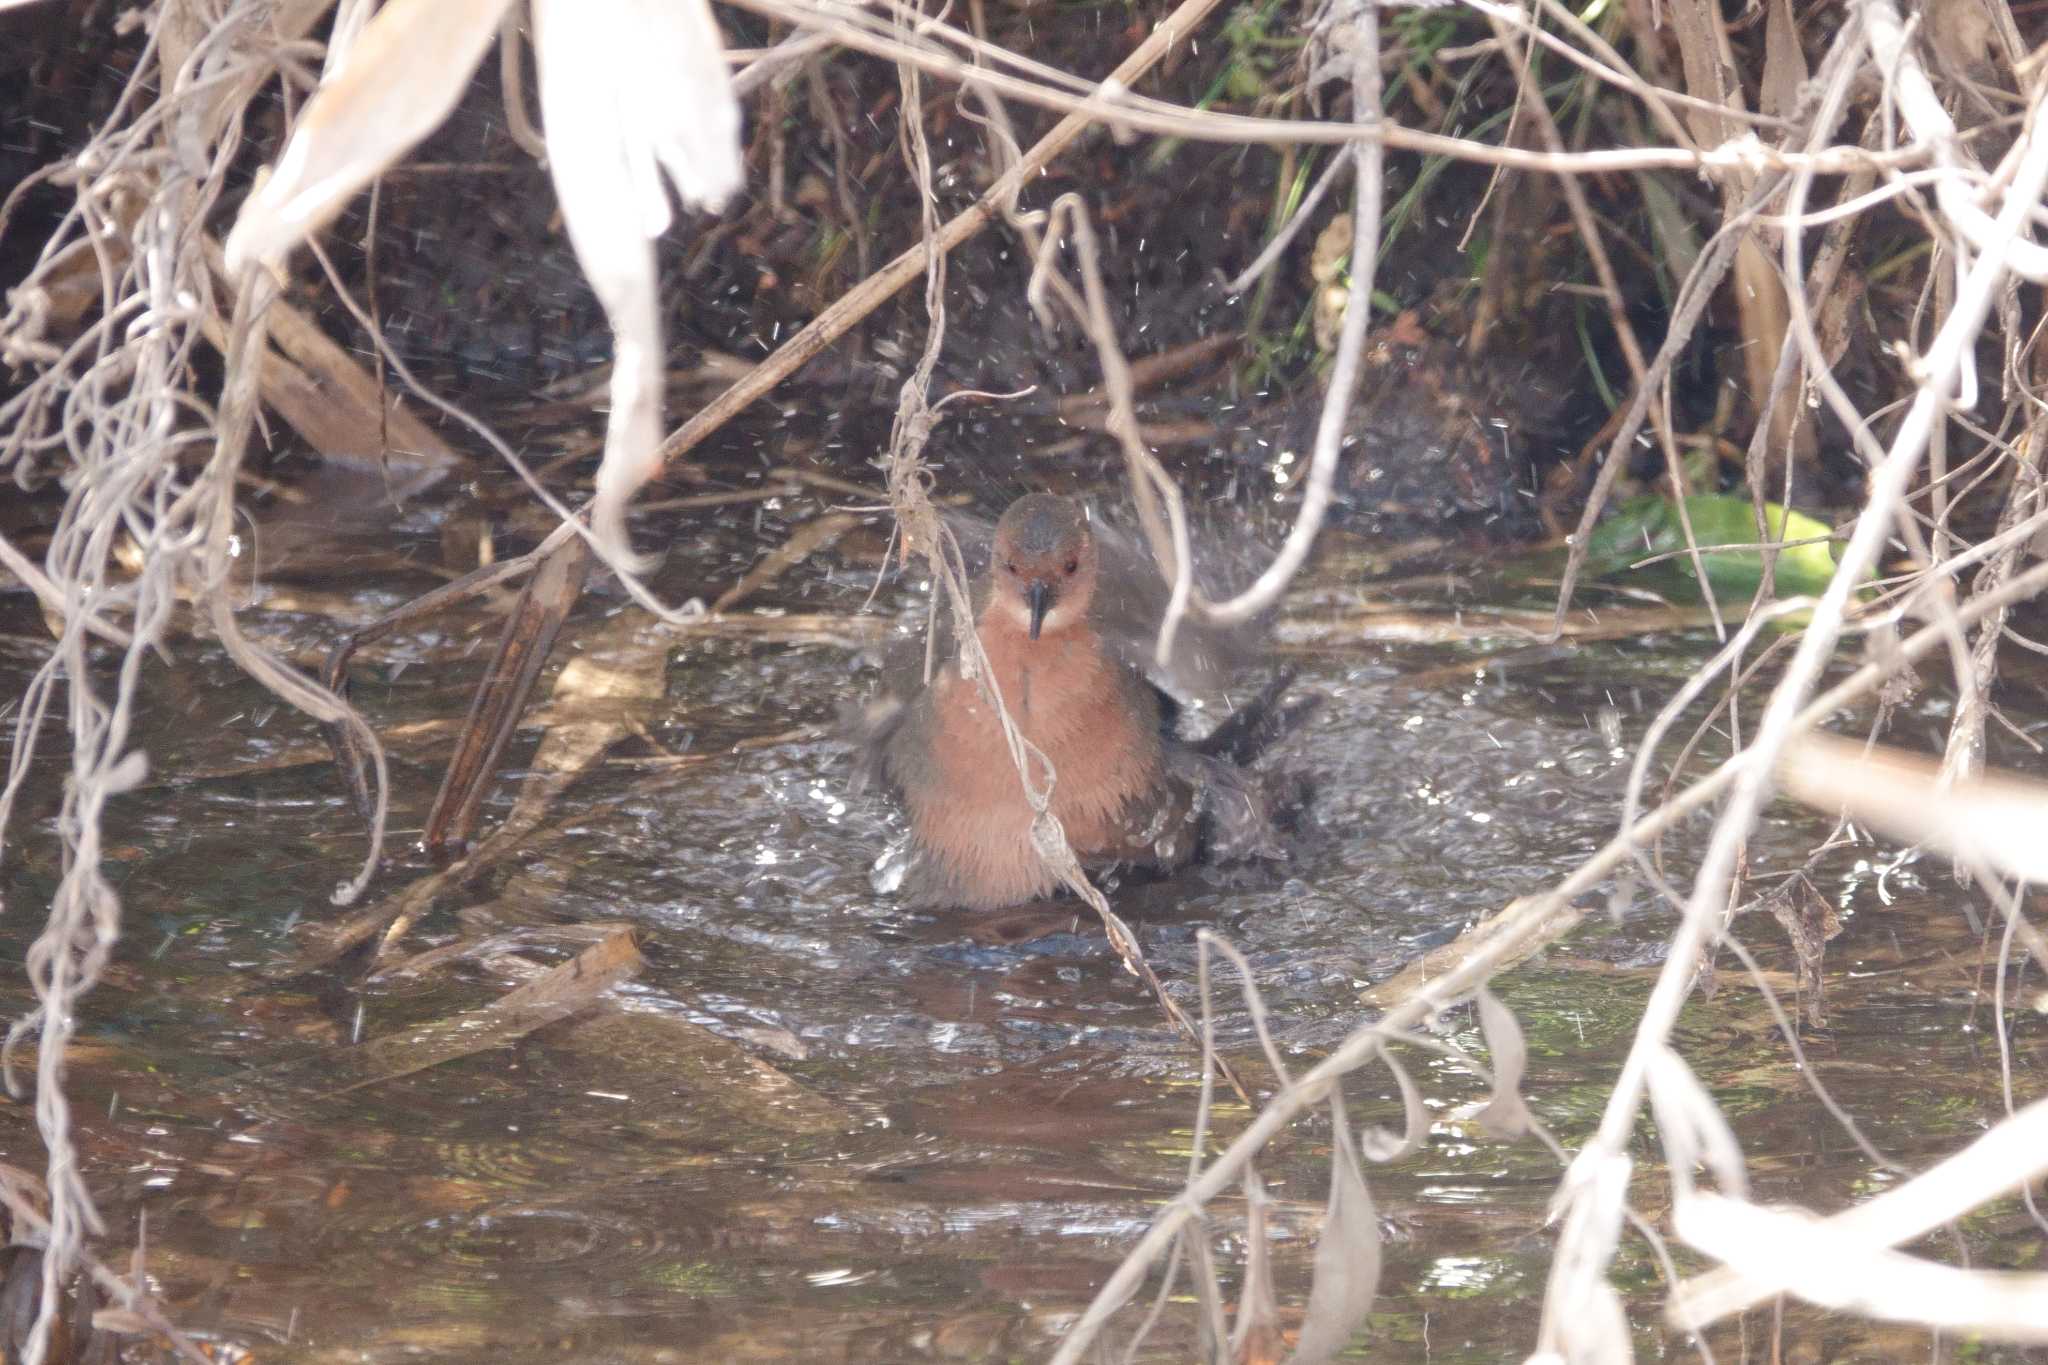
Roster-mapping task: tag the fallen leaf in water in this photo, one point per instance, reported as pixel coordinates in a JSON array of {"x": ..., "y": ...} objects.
[
  {"x": 1994, "y": 819},
  {"x": 674, "y": 1068},
  {"x": 1505, "y": 1114},
  {"x": 1347, "y": 1274},
  {"x": 568, "y": 989}
]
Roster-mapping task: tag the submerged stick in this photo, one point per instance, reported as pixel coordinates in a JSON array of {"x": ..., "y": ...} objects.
[
  {"x": 1480, "y": 965},
  {"x": 844, "y": 313},
  {"x": 348, "y": 752},
  {"x": 494, "y": 712},
  {"x": 568, "y": 989}
]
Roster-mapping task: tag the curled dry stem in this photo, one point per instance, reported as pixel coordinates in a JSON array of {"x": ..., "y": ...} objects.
[
  {"x": 1591, "y": 1238},
  {"x": 1465, "y": 977}
]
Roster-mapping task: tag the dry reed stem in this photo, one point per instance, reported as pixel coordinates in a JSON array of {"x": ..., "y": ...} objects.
[
  {"x": 109, "y": 410},
  {"x": 1590, "y": 1241},
  {"x": 846, "y": 311},
  {"x": 1510, "y": 942},
  {"x": 104, "y": 407},
  {"x": 922, "y": 532},
  {"x": 1115, "y": 106}
]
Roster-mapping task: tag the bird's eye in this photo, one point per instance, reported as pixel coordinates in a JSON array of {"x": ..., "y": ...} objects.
[
  {"x": 1009, "y": 567},
  {"x": 1073, "y": 564}
]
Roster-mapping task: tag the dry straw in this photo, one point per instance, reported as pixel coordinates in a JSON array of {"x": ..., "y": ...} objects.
[{"x": 635, "y": 92}]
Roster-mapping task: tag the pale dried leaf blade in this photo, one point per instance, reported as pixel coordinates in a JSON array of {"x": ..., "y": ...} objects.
[
  {"x": 1528, "y": 923},
  {"x": 1824, "y": 1263},
  {"x": 555, "y": 995},
  {"x": 1208, "y": 1285},
  {"x": 1505, "y": 1115},
  {"x": 1582, "y": 1316},
  {"x": 666, "y": 1058},
  {"x": 595, "y": 183},
  {"x": 121, "y": 1322},
  {"x": 1378, "y": 1144},
  {"x": 630, "y": 90},
  {"x": 1994, "y": 819},
  {"x": 1255, "y": 1336},
  {"x": 2010, "y": 1155},
  {"x": 808, "y": 539},
  {"x": 128, "y": 774},
  {"x": 349, "y": 18},
  {"x": 683, "y": 97},
  {"x": 1347, "y": 1274},
  {"x": 1692, "y": 1126},
  {"x": 1597, "y": 1334},
  {"x": 403, "y": 75},
  {"x": 1784, "y": 62}
]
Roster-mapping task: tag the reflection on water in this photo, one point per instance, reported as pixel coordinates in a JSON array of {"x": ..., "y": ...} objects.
[{"x": 939, "y": 1132}]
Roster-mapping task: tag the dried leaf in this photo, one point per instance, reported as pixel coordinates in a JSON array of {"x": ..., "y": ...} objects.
[
  {"x": 525, "y": 643},
  {"x": 128, "y": 774},
  {"x": 1709, "y": 75},
  {"x": 1597, "y": 1333},
  {"x": 404, "y": 73},
  {"x": 349, "y": 18},
  {"x": 1993, "y": 819},
  {"x": 1531, "y": 923},
  {"x": 1347, "y": 1275},
  {"x": 1326, "y": 264},
  {"x": 564, "y": 991},
  {"x": 806, "y": 540},
  {"x": 1823, "y": 1262},
  {"x": 1583, "y": 1320},
  {"x": 1784, "y": 62},
  {"x": 314, "y": 383},
  {"x": 1505, "y": 1115},
  {"x": 678, "y": 1065},
  {"x": 612, "y": 683},
  {"x": 1692, "y": 1127},
  {"x": 1255, "y": 1336},
  {"x": 1378, "y": 1144},
  {"x": 631, "y": 90},
  {"x": 1333, "y": 247},
  {"x": 1810, "y": 920},
  {"x": 2006, "y": 1158},
  {"x": 777, "y": 1040},
  {"x": 121, "y": 1322}
]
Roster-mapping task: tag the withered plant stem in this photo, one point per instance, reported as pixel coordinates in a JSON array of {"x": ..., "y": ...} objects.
[{"x": 847, "y": 310}]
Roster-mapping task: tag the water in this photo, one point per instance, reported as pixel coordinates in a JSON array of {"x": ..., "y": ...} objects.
[{"x": 819, "y": 1125}]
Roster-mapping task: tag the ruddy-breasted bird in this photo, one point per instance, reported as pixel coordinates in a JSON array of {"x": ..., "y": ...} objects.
[{"x": 1126, "y": 789}]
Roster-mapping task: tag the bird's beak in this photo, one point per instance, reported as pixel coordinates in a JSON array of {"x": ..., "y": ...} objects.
[{"x": 1039, "y": 598}]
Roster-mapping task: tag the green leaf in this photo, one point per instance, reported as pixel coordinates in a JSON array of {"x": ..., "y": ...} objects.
[{"x": 1647, "y": 528}]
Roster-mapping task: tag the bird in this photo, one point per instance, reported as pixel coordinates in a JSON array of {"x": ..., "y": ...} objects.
[{"x": 1055, "y": 626}]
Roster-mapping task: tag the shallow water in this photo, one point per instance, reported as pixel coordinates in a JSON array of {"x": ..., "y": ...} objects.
[{"x": 985, "y": 1111}]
